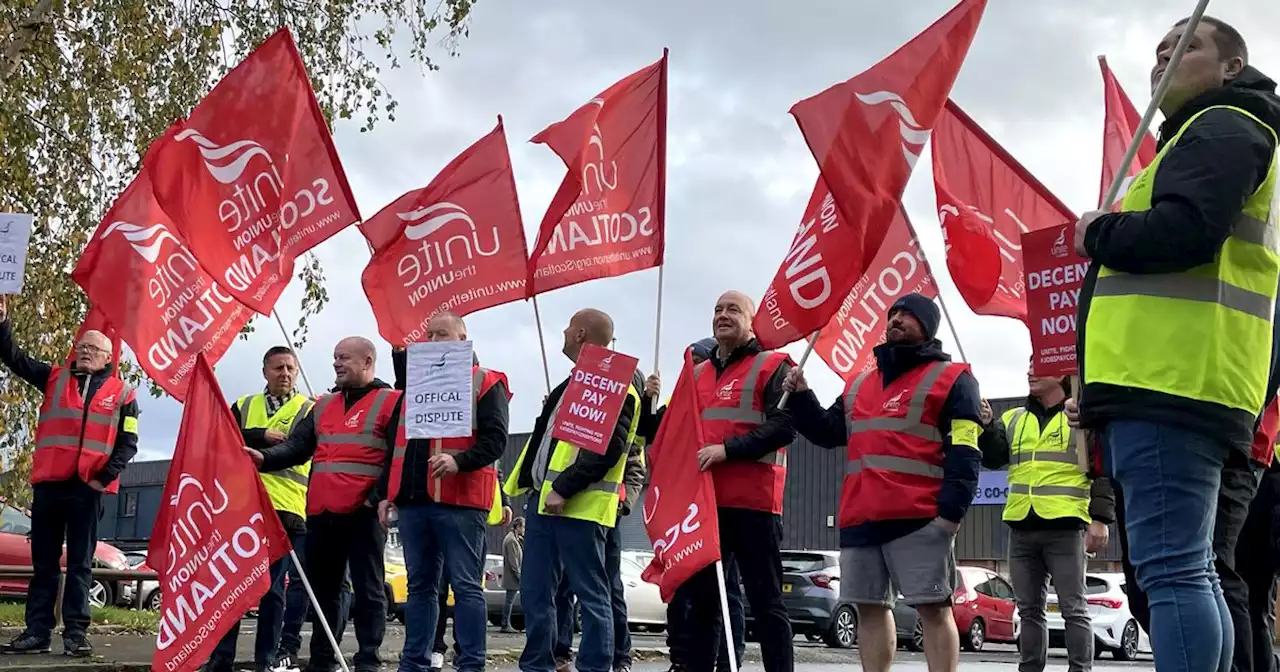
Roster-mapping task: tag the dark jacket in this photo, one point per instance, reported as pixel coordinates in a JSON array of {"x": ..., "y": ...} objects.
[
  {"x": 994, "y": 443},
  {"x": 1198, "y": 192},
  {"x": 637, "y": 471},
  {"x": 36, "y": 373},
  {"x": 777, "y": 431},
  {"x": 491, "y": 439},
  {"x": 961, "y": 464},
  {"x": 590, "y": 467},
  {"x": 301, "y": 444}
]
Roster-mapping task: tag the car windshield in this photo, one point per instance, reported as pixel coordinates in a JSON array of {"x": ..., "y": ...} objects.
[
  {"x": 14, "y": 521},
  {"x": 803, "y": 562}
]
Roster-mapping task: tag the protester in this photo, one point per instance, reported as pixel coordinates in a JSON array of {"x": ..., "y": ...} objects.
[
  {"x": 347, "y": 437},
  {"x": 567, "y": 522},
  {"x": 911, "y": 429},
  {"x": 86, "y": 434},
  {"x": 1255, "y": 557},
  {"x": 265, "y": 419},
  {"x": 746, "y": 435},
  {"x": 442, "y": 490},
  {"x": 678, "y": 609},
  {"x": 1175, "y": 335},
  {"x": 512, "y": 560},
  {"x": 1056, "y": 511}
]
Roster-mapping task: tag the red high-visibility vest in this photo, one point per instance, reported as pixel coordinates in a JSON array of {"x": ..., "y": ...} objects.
[
  {"x": 1264, "y": 440},
  {"x": 472, "y": 489},
  {"x": 732, "y": 405},
  {"x": 74, "y": 441},
  {"x": 894, "y": 465},
  {"x": 351, "y": 448}
]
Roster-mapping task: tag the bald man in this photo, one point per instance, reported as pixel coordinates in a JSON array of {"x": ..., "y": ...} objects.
[
  {"x": 566, "y": 522},
  {"x": 87, "y": 433},
  {"x": 740, "y": 385},
  {"x": 346, "y": 437}
]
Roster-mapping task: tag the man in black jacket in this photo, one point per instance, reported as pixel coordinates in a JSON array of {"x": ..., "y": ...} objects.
[
  {"x": 338, "y": 541},
  {"x": 66, "y": 510}
]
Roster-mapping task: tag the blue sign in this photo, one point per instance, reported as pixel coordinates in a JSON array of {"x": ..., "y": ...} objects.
[{"x": 993, "y": 487}]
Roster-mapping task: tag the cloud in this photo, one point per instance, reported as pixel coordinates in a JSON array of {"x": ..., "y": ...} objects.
[{"x": 738, "y": 171}]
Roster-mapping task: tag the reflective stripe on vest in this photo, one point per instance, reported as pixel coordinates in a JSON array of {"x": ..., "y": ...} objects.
[
  {"x": 81, "y": 417},
  {"x": 745, "y": 412},
  {"x": 364, "y": 436},
  {"x": 251, "y": 404},
  {"x": 1047, "y": 472},
  {"x": 1048, "y": 490},
  {"x": 911, "y": 424}
]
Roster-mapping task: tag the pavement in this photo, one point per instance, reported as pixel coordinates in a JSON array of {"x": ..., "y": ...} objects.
[{"x": 132, "y": 653}]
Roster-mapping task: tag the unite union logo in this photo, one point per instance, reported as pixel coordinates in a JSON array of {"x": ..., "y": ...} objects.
[
  {"x": 425, "y": 221},
  {"x": 726, "y": 390},
  {"x": 894, "y": 404},
  {"x": 1059, "y": 248},
  {"x": 145, "y": 240},
  {"x": 354, "y": 421},
  {"x": 606, "y": 363},
  {"x": 913, "y": 134},
  {"x": 226, "y": 163},
  {"x": 108, "y": 402}
]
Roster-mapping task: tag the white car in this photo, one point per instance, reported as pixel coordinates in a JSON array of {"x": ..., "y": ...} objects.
[
  {"x": 1114, "y": 627},
  {"x": 645, "y": 607}
]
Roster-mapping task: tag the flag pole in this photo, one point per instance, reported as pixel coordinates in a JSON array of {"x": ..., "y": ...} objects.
[
  {"x": 813, "y": 340},
  {"x": 542, "y": 343},
  {"x": 724, "y": 614},
  {"x": 928, "y": 268},
  {"x": 293, "y": 555},
  {"x": 657, "y": 334}
]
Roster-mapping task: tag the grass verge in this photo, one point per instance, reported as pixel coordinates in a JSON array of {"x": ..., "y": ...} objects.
[{"x": 13, "y": 614}]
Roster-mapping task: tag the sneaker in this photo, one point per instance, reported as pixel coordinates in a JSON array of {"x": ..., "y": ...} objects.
[
  {"x": 564, "y": 665},
  {"x": 437, "y": 661},
  {"x": 27, "y": 642},
  {"x": 77, "y": 646},
  {"x": 285, "y": 662}
]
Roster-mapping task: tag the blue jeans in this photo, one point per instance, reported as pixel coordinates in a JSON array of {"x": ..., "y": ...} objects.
[
  {"x": 271, "y": 615},
  {"x": 618, "y": 597},
  {"x": 578, "y": 545},
  {"x": 566, "y": 617},
  {"x": 296, "y": 603},
  {"x": 433, "y": 536},
  {"x": 1170, "y": 479}
]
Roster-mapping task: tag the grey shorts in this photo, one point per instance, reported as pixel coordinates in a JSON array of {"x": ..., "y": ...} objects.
[{"x": 921, "y": 567}]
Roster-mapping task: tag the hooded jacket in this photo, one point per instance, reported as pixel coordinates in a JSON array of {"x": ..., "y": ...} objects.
[{"x": 1197, "y": 193}]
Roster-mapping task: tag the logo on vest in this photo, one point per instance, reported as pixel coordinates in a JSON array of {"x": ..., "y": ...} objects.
[
  {"x": 1059, "y": 248},
  {"x": 893, "y": 404},
  {"x": 726, "y": 390},
  {"x": 108, "y": 402},
  {"x": 354, "y": 421}
]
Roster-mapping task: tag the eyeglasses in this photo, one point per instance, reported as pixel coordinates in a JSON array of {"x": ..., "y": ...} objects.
[{"x": 89, "y": 348}]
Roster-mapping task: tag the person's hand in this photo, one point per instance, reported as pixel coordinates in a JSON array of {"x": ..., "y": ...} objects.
[
  {"x": 397, "y": 348},
  {"x": 1095, "y": 537},
  {"x": 255, "y": 455},
  {"x": 795, "y": 382},
  {"x": 384, "y": 512},
  {"x": 507, "y": 515},
  {"x": 555, "y": 503},
  {"x": 274, "y": 436},
  {"x": 950, "y": 527},
  {"x": 96, "y": 485},
  {"x": 653, "y": 385},
  {"x": 984, "y": 412},
  {"x": 1082, "y": 226},
  {"x": 442, "y": 465},
  {"x": 1072, "y": 410},
  {"x": 711, "y": 456}
]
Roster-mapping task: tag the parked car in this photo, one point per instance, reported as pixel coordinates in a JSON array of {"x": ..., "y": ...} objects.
[
  {"x": 149, "y": 596},
  {"x": 811, "y": 593},
  {"x": 15, "y": 549},
  {"x": 983, "y": 608},
  {"x": 1114, "y": 627},
  {"x": 645, "y": 609}
]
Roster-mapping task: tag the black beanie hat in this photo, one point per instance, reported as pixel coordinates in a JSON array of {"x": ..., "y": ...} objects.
[{"x": 924, "y": 310}]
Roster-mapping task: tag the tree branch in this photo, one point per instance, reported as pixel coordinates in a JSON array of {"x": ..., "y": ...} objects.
[{"x": 26, "y": 30}]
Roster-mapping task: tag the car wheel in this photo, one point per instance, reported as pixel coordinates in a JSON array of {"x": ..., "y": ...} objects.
[
  {"x": 153, "y": 601},
  {"x": 843, "y": 633},
  {"x": 917, "y": 637},
  {"x": 1128, "y": 649},
  {"x": 976, "y": 637},
  {"x": 99, "y": 594}
]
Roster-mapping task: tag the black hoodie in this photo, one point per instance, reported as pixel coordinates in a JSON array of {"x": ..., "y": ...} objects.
[
  {"x": 301, "y": 444},
  {"x": 1198, "y": 192}
]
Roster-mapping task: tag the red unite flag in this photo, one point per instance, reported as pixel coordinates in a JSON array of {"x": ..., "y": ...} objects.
[
  {"x": 866, "y": 135},
  {"x": 143, "y": 280},
  {"x": 454, "y": 245},
  {"x": 609, "y": 216},
  {"x": 216, "y": 533},
  {"x": 900, "y": 268},
  {"x": 986, "y": 201},
  {"x": 1117, "y": 132},
  {"x": 680, "y": 504},
  {"x": 251, "y": 178}
]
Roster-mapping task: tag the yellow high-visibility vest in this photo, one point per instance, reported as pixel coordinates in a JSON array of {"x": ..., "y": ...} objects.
[
  {"x": 1047, "y": 470},
  {"x": 286, "y": 487}
]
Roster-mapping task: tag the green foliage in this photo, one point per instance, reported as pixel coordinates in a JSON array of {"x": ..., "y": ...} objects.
[{"x": 86, "y": 84}]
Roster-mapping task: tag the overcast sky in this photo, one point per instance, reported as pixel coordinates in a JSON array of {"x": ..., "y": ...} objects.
[{"x": 738, "y": 173}]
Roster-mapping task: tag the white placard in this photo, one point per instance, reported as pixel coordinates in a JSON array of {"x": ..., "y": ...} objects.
[
  {"x": 438, "y": 389},
  {"x": 15, "y": 235}
]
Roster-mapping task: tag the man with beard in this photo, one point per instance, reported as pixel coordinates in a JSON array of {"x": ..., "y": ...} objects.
[{"x": 911, "y": 428}]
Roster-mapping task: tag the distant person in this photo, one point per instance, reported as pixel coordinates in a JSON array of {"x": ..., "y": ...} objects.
[{"x": 512, "y": 559}]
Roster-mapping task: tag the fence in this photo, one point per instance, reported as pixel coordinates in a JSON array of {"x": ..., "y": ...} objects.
[{"x": 136, "y": 576}]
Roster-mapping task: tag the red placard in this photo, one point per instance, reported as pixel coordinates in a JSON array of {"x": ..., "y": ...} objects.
[
  {"x": 1054, "y": 275},
  {"x": 589, "y": 409}
]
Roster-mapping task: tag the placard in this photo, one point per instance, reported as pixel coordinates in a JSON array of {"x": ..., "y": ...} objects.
[
  {"x": 993, "y": 488},
  {"x": 1054, "y": 275},
  {"x": 15, "y": 236},
  {"x": 592, "y": 401},
  {"x": 439, "y": 398}
]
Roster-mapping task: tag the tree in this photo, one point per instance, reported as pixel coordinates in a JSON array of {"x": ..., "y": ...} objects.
[{"x": 85, "y": 85}]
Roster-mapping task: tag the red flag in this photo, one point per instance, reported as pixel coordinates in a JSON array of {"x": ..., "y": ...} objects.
[
  {"x": 456, "y": 244},
  {"x": 608, "y": 217},
  {"x": 680, "y": 505},
  {"x": 1117, "y": 132},
  {"x": 141, "y": 277},
  {"x": 251, "y": 179},
  {"x": 215, "y": 535},
  {"x": 866, "y": 134},
  {"x": 986, "y": 201},
  {"x": 900, "y": 268}
]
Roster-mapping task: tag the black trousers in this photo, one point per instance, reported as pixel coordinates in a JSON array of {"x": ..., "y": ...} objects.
[
  {"x": 752, "y": 540},
  {"x": 1256, "y": 563},
  {"x": 678, "y": 623},
  {"x": 62, "y": 511},
  {"x": 334, "y": 543}
]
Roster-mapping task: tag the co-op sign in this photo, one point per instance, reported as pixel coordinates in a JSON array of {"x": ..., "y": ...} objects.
[{"x": 993, "y": 487}]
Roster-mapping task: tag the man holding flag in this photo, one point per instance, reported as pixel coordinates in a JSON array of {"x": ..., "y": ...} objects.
[{"x": 87, "y": 433}]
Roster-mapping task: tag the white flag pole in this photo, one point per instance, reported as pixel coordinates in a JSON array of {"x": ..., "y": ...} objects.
[
  {"x": 657, "y": 334},
  {"x": 724, "y": 615},
  {"x": 542, "y": 343},
  {"x": 813, "y": 340}
]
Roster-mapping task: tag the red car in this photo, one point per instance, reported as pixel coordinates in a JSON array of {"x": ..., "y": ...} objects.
[
  {"x": 15, "y": 549},
  {"x": 982, "y": 605}
]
